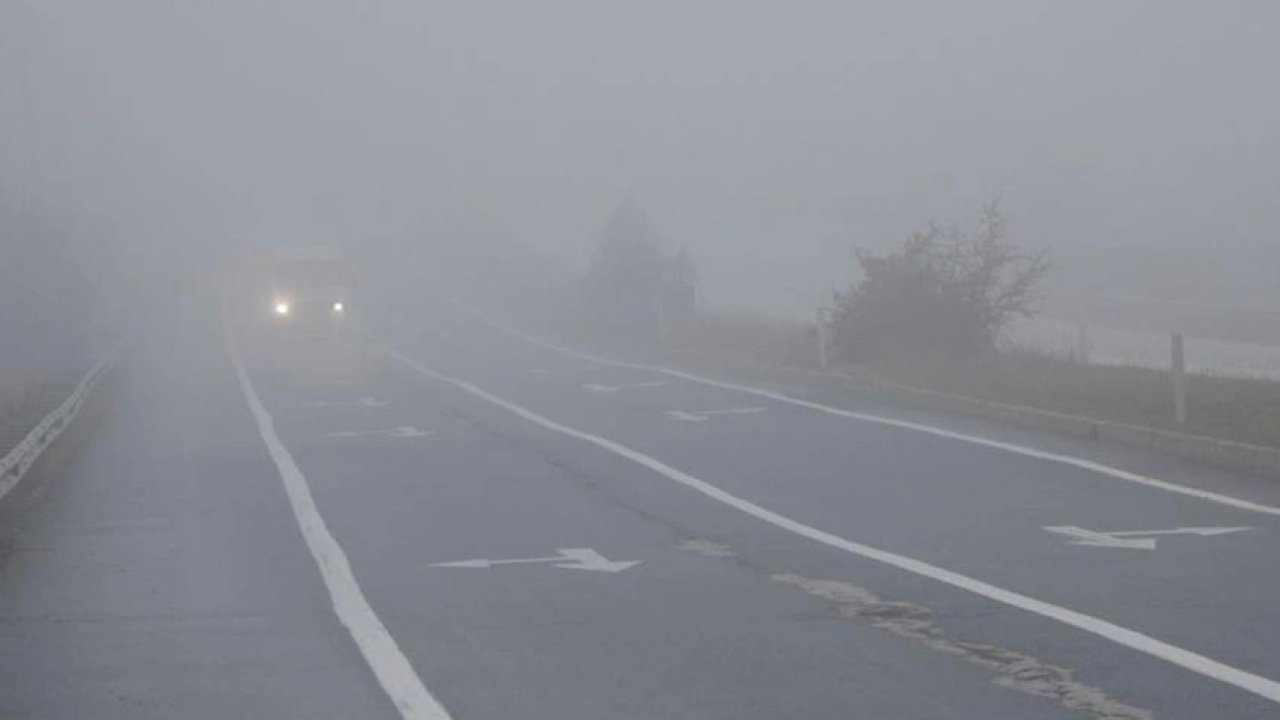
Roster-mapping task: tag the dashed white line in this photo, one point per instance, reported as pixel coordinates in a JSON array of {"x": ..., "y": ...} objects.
[
  {"x": 390, "y": 666},
  {"x": 1199, "y": 664}
]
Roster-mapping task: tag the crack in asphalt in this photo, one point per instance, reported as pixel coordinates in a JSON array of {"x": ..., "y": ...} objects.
[{"x": 1014, "y": 670}]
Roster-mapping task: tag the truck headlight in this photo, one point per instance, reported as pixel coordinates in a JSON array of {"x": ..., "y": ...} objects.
[
  {"x": 339, "y": 307},
  {"x": 282, "y": 309}
]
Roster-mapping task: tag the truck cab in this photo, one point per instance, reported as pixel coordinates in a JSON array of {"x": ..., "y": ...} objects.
[
  {"x": 305, "y": 310},
  {"x": 307, "y": 292}
]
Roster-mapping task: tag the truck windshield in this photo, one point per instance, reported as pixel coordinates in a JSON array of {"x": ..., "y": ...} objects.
[{"x": 312, "y": 275}]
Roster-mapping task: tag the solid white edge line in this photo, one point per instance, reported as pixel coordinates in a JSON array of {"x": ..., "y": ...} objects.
[
  {"x": 14, "y": 466},
  {"x": 1194, "y": 662},
  {"x": 1076, "y": 462},
  {"x": 393, "y": 670}
]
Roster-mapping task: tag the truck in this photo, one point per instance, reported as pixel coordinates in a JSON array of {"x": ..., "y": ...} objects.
[{"x": 301, "y": 311}]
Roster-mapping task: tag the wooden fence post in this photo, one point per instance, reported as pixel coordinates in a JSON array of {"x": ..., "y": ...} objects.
[{"x": 1179, "y": 368}]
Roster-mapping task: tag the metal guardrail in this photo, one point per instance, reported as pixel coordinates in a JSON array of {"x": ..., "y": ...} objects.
[{"x": 19, "y": 460}]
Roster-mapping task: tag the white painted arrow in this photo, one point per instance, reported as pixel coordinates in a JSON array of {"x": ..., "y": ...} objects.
[
  {"x": 609, "y": 389},
  {"x": 402, "y": 432},
  {"x": 362, "y": 402},
  {"x": 704, "y": 415},
  {"x": 568, "y": 559},
  {"x": 1201, "y": 531},
  {"x": 1097, "y": 539},
  {"x": 1135, "y": 539}
]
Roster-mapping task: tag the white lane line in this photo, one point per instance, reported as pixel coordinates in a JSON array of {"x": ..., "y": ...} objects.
[
  {"x": 389, "y": 664},
  {"x": 15, "y": 464},
  {"x": 1194, "y": 662},
  {"x": 1076, "y": 462}
]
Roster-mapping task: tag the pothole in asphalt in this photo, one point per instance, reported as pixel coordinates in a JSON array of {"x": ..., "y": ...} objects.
[{"x": 706, "y": 548}]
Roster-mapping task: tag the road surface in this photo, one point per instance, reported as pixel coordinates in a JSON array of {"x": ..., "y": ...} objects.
[{"x": 492, "y": 528}]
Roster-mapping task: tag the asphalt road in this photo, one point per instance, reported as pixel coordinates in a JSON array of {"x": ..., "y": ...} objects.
[{"x": 395, "y": 550}]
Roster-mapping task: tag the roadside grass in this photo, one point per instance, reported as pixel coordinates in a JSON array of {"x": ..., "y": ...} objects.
[
  {"x": 749, "y": 337},
  {"x": 1239, "y": 409}
]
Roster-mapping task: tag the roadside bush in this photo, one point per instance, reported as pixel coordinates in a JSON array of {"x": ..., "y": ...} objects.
[{"x": 943, "y": 292}]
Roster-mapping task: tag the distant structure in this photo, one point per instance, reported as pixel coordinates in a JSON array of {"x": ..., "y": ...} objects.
[
  {"x": 681, "y": 287},
  {"x": 633, "y": 290}
]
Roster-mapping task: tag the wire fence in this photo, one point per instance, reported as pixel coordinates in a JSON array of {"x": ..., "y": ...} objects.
[{"x": 1101, "y": 345}]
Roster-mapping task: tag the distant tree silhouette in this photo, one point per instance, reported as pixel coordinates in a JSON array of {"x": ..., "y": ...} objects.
[{"x": 625, "y": 279}]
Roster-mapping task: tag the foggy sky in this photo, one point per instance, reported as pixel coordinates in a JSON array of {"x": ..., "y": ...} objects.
[{"x": 769, "y": 136}]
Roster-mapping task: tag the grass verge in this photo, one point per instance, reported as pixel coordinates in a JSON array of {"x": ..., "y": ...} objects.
[{"x": 1241, "y": 410}]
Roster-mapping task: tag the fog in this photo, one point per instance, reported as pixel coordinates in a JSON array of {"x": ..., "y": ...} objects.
[
  {"x": 769, "y": 137},
  {"x": 597, "y": 359}
]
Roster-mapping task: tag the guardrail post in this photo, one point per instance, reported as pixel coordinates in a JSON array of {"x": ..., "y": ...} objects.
[
  {"x": 1082, "y": 344},
  {"x": 662, "y": 319},
  {"x": 1179, "y": 370}
]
